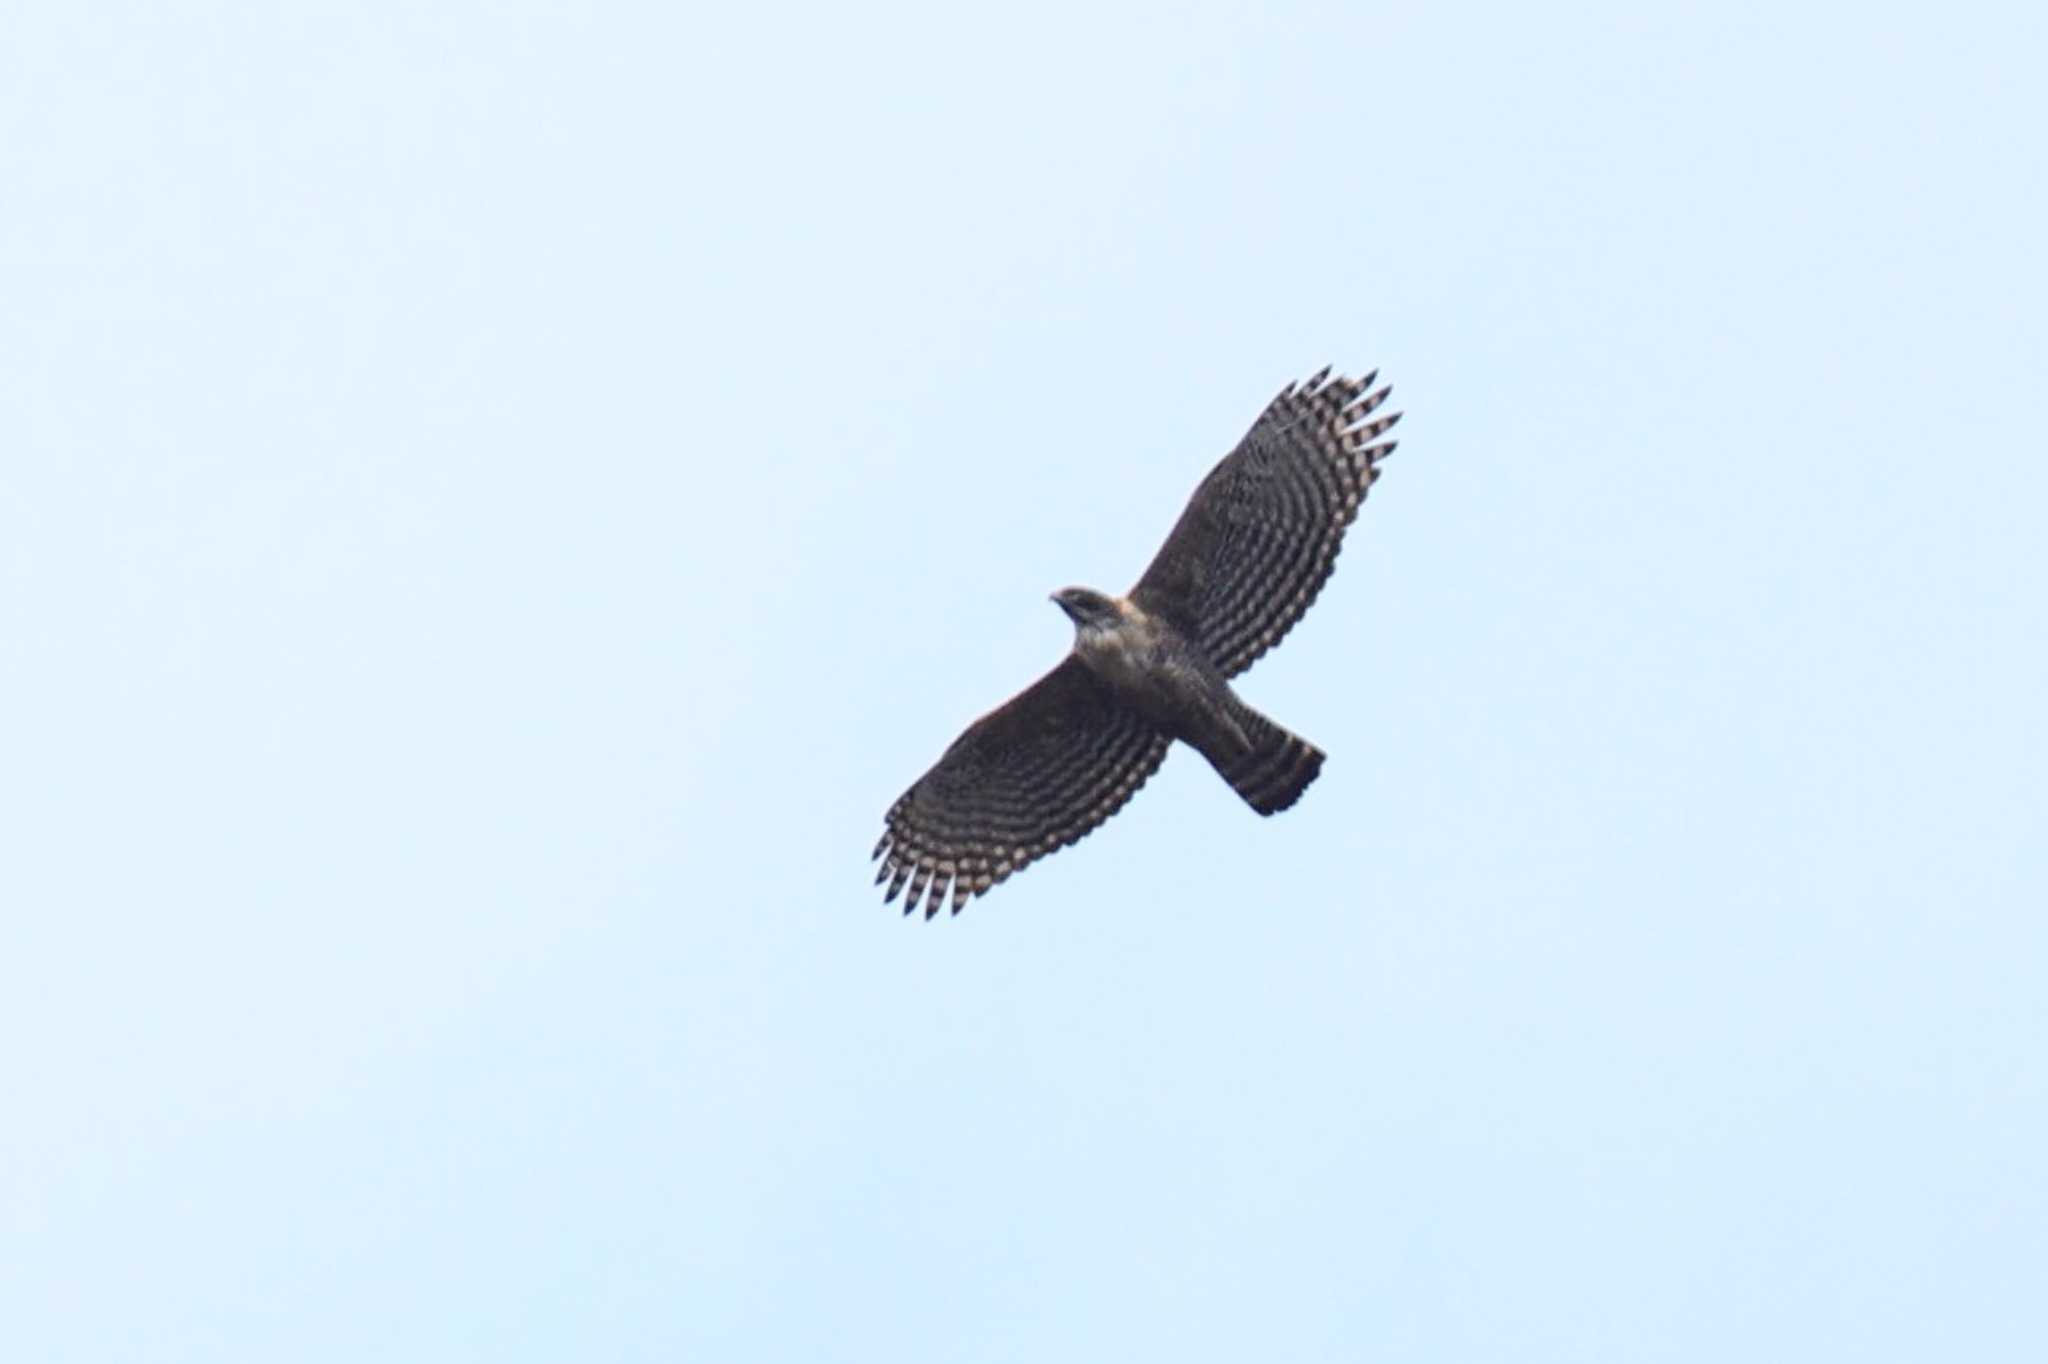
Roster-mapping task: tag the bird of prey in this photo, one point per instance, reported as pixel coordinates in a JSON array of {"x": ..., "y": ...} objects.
[{"x": 1253, "y": 548}]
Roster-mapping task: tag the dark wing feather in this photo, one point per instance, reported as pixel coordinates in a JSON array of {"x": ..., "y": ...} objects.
[
  {"x": 1025, "y": 780},
  {"x": 1260, "y": 536}
]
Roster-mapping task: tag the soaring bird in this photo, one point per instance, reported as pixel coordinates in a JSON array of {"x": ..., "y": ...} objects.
[{"x": 1253, "y": 548}]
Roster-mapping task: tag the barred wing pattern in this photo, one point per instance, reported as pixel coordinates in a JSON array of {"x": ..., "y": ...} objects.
[
  {"x": 1025, "y": 780},
  {"x": 1260, "y": 536}
]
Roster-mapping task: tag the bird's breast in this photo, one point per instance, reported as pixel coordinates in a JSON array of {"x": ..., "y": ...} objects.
[
  {"x": 1120, "y": 657},
  {"x": 1142, "y": 665}
]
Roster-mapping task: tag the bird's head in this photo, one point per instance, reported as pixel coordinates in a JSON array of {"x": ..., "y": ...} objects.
[{"x": 1086, "y": 607}]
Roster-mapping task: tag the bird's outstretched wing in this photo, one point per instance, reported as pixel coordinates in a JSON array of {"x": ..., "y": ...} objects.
[
  {"x": 1260, "y": 536},
  {"x": 1025, "y": 780}
]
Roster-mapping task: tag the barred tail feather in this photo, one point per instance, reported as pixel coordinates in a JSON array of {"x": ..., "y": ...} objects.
[{"x": 1277, "y": 767}]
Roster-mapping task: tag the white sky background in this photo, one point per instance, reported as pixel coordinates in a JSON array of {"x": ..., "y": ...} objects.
[{"x": 498, "y": 500}]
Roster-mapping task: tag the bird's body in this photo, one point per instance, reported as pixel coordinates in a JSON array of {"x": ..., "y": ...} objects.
[
  {"x": 1253, "y": 548},
  {"x": 1156, "y": 671},
  {"x": 1150, "y": 666}
]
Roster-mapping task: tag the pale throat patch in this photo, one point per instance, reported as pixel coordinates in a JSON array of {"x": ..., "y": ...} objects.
[{"x": 1121, "y": 651}]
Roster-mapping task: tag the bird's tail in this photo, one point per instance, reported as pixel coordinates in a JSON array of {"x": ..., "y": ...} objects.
[{"x": 1275, "y": 767}]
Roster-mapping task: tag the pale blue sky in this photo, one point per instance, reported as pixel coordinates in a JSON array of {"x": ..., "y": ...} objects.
[{"x": 499, "y": 498}]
